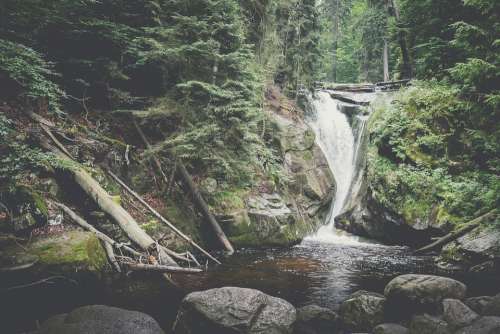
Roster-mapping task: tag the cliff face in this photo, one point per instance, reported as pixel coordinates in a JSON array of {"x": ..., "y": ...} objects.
[{"x": 281, "y": 215}]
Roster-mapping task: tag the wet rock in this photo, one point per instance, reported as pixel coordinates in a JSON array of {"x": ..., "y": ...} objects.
[
  {"x": 362, "y": 311},
  {"x": 479, "y": 304},
  {"x": 390, "y": 329},
  {"x": 484, "y": 325},
  {"x": 234, "y": 310},
  {"x": 457, "y": 314},
  {"x": 412, "y": 293},
  {"x": 97, "y": 319},
  {"x": 427, "y": 324},
  {"x": 493, "y": 307},
  {"x": 484, "y": 243},
  {"x": 313, "y": 319}
]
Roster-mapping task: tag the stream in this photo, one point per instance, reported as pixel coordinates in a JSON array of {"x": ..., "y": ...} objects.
[{"x": 324, "y": 269}]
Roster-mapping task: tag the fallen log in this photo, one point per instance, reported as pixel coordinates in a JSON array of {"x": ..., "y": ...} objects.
[
  {"x": 111, "y": 256},
  {"x": 473, "y": 224},
  {"x": 80, "y": 221},
  {"x": 159, "y": 216},
  {"x": 202, "y": 205},
  {"x": 198, "y": 198},
  {"x": 346, "y": 99},
  {"x": 127, "y": 223},
  {"x": 161, "y": 268}
]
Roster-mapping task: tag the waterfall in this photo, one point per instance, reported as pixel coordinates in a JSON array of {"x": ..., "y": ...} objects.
[{"x": 337, "y": 140}]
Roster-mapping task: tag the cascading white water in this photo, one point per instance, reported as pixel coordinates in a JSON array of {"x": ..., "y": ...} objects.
[{"x": 335, "y": 137}]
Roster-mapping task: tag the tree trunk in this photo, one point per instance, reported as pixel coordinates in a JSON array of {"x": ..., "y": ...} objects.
[
  {"x": 386, "y": 61},
  {"x": 406, "y": 71},
  {"x": 127, "y": 223},
  {"x": 202, "y": 205}
]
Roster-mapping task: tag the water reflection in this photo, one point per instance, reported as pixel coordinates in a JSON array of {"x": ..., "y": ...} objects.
[{"x": 313, "y": 272}]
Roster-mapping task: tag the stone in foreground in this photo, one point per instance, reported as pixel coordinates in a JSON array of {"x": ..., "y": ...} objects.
[
  {"x": 362, "y": 311},
  {"x": 485, "y": 325},
  {"x": 97, "y": 319},
  {"x": 313, "y": 319},
  {"x": 412, "y": 293},
  {"x": 427, "y": 324},
  {"x": 231, "y": 310},
  {"x": 390, "y": 329},
  {"x": 457, "y": 314}
]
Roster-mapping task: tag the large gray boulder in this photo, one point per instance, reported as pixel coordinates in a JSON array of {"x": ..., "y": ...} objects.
[
  {"x": 390, "y": 329},
  {"x": 457, "y": 314},
  {"x": 413, "y": 293},
  {"x": 428, "y": 324},
  {"x": 231, "y": 310},
  {"x": 98, "y": 319},
  {"x": 313, "y": 319},
  {"x": 362, "y": 311},
  {"x": 485, "y": 325}
]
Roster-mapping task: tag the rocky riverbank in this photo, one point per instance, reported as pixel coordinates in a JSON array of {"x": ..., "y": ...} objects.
[{"x": 410, "y": 304}]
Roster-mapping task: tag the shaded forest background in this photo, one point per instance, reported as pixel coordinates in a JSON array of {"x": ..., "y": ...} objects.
[{"x": 198, "y": 70}]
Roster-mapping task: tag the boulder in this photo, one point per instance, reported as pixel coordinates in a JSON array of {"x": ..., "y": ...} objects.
[
  {"x": 97, "y": 319},
  {"x": 362, "y": 311},
  {"x": 493, "y": 307},
  {"x": 412, "y": 293},
  {"x": 457, "y": 314},
  {"x": 390, "y": 329},
  {"x": 427, "y": 324},
  {"x": 484, "y": 325},
  {"x": 479, "y": 304},
  {"x": 234, "y": 310},
  {"x": 313, "y": 319}
]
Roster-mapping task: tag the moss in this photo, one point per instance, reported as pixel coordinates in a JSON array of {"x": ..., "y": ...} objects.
[
  {"x": 75, "y": 248},
  {"x": 151, "y": 227}
]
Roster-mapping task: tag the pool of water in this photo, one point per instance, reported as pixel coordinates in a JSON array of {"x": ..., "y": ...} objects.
[{"x": 310, "y": 273}]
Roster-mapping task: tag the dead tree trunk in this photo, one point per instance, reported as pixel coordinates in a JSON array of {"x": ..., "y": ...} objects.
[
  {"x": 202, "y": 205},
  {"x": 386, "y": 61},
  {"x": 127, "y": 223}
]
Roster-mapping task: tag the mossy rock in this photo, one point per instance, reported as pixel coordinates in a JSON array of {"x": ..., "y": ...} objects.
[{"x": 75, "y": 249}]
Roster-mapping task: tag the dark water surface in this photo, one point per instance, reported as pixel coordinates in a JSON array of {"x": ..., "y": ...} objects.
[{"x": 313, "y": 272}]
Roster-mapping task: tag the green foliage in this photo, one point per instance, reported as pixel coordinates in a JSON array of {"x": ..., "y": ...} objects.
[
  {"x": 427, "y": 150},
  {"x": 18, "y": 158},
  {"x": 30, "y": 71}
]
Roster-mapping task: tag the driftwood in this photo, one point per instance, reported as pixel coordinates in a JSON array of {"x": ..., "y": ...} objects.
[
  {"x": 159, "y": 216},
  {"x": 200, "y": 202},
  {"x": 161, "y": 268},
  {"x": 473, "y": 224}
]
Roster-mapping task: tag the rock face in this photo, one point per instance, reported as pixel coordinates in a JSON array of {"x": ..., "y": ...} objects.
[
  {"x": 457, "y": 314},
  {"x": 366, "y": 217},
  {"x": 412, "y": 293},
  {"x": 234, "y": 310},
  {"x": 313, "y": 319},
  {"x": 485, "y": 325},
  {"x": 98, "y": 319},
  {"x": 362, "y": 311},
  {"x": 272, "y": 218},
  {"x": 390, "y": 329},
  {"x": 477, "y": 251}
]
